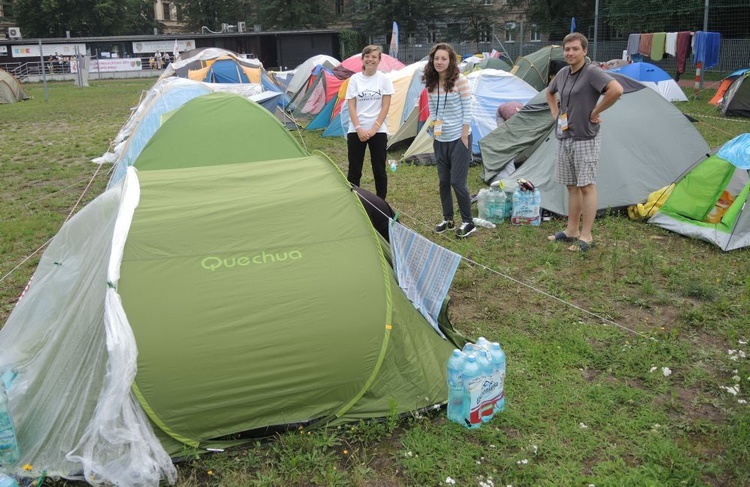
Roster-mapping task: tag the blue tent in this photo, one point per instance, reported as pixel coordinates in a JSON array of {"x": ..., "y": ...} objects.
[
  {"x": 226, "y": 71},
  {"x": 655, "y": 78}
]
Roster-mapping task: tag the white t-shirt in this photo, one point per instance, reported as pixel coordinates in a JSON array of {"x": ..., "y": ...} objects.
[{"x": 368, "y": 92}]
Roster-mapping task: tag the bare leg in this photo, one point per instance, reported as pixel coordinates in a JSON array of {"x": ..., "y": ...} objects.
[
  {"x": 588, "y": 210},
  {"x": 575, "y": 207}
]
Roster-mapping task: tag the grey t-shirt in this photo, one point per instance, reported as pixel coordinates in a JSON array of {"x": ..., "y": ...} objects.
[{"x": 579, "y": 94}]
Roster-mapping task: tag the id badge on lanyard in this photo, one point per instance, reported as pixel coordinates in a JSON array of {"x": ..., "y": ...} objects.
[
  {"x": 562, "y": 123},
  {"x": 437, "y": 128}
]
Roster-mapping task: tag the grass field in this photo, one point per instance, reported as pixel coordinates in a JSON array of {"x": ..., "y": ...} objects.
[{"x": 627, "y": 365}]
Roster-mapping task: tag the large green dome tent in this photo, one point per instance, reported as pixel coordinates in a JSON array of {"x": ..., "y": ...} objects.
[{"x": 229, "y": 284}]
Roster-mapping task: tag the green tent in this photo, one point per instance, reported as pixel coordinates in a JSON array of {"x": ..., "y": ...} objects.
[
  {"x": 539, "y": 67},
  {"x": 250, "y": 284},
  {"x": 709, "y": 201},
  {"x": 11, "y": 90}
]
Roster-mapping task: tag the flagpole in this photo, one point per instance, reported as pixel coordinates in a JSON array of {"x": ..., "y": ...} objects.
[{"x": 596, "y": 29}]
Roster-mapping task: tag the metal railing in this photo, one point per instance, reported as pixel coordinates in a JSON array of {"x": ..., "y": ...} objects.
[{"x": 32, "y": 71}]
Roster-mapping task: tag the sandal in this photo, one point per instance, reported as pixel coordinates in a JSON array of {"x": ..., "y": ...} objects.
[
  {"x": 581, "y": 246},
  {"x": 561, "y": 236}
]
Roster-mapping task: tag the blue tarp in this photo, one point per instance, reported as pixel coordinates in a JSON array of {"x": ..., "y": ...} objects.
[{"x": 737, "y": 151}]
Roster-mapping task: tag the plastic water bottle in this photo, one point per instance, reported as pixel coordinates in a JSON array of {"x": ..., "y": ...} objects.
[
  {"x": 482, "y": 203},
  {"x": 481, "y": 222},
  {"x": 455, "y": 387},
  {"x": 496, "y": 206},
  {"x": 9, "y": 452},
  {"x": 392, "y": 165},
  {"x": 500, "y": 361},
  {"x": 471, "y": 379},
  {"x": 7, "y": 481}
]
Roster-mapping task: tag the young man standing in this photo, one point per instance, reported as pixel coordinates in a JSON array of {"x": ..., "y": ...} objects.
[{"x": 579, "y": 85}]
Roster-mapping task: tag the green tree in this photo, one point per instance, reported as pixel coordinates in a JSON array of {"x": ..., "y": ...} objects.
[
  {"x": 294, "y": 14},
  {"x": 472, "y": 20},
  {"x": 663, "y": 15},
  {"x": 212, "y": 13},
  {"x": 553, "y": 16},
  {"x": 52, "y": 18},
  {"x": 376, "y": 17}
]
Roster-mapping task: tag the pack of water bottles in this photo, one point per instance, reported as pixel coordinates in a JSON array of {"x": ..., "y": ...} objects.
[
  {"x": 476, "y": 383},
  {"x": 527, "y": 204},
  {"x": 491, "y": 204}
]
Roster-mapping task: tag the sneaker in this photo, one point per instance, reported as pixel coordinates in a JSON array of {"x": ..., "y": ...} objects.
[
  {"x": 466, "y": 229},
  {"x": 445, "y": 225}
]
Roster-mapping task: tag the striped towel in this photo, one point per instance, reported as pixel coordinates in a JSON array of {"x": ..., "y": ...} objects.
[{"x": 424, "y": 270}]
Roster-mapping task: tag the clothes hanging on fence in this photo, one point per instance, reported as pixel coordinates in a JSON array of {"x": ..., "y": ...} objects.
[
  {"x": 657, "y": 45},
  {"x": 670, "y": 44},
  {"x": 707, "y": 48},
  {"x": 644, "y": 46},
  {"x": 633, "y": 44},
  {"x": 683, "y": 50}
]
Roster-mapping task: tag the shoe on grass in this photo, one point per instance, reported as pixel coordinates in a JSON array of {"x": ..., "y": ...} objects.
[
  {"x": 445, "y": 225},
  {"x": 466, "y": 229}
]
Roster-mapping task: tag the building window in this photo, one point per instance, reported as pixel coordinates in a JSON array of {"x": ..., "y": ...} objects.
[
  {"x": 510, "y": 35},
  {"x": 485, "y": 35},
  {"x": 6, "y": 9},
  {"x": 489, "y": 2},
  {"x": 617, "y": 34},
  {"x": 339, "y": 7},
  {"x": 535, "y": 35},
  {"x": 167, "y": 8}
]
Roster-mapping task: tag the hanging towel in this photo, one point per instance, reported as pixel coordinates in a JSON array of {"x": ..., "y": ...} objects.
[
  {"x": 657, "y": 45},
  {"x": 633, "y": 42},
  {"x": 707, "y": 48},
  {"x": 670, "y": 44},
  {"x": 683, "y": 50},
  {"x": 424, "y": 270},
  {"x": 644, "y": 46}
]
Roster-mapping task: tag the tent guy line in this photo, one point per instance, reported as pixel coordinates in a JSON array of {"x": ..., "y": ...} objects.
[{"x": 540, "y": 291}]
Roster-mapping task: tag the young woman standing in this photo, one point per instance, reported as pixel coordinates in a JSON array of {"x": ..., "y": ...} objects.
[
  {"x": 450, "y": 109},
  {"x": 368, "y": 97}
]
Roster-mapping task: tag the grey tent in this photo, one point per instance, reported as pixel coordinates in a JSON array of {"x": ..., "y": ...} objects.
[
  {"x": 736, "y": 101},
  {"x": 646, "y": 144}
]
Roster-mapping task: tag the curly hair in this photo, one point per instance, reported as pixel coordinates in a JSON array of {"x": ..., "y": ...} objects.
[{"x": 431, "y": 77}]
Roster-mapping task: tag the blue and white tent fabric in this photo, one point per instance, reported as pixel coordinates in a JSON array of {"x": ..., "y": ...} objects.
[
  {"x": 655, "y": 78},
  {"x": 424, "y": 270}
]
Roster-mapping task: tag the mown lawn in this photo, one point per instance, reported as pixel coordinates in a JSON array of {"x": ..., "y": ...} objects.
[{"x": 626, "y": 365}]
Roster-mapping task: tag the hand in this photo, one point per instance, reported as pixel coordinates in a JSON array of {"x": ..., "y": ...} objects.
[
  {"x": 595, "y": 118},
  {"x": 362, "y": 134},
  {"x": 465, "y": 140}
]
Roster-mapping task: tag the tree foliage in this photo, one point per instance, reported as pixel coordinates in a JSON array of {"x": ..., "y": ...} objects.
[
  {"x": 295, "y": 14},
  {"x": 212, "y": 13},
  {"x": 472, "y": 19},
  {"x": 52, "y": 18}
]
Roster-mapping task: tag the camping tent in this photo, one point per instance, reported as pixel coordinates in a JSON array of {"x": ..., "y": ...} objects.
[
  {"x": 709, "y": 201},
  {"x": 655, "y": 78},
  {"x": 209, "y": 294},
  {"x": 11, "y": 90},
  {"x": 490, "y": 88},
  {"x": 303, "y": 71},
  {"x": 387, "y": 63},
  {"x": 163, "y": 97},
  {"x": 646, "y": 143},
  {"x": 494, "y": 63},
  {"x": 539, "y": 67},
  {"x": 733, "y": 95}
]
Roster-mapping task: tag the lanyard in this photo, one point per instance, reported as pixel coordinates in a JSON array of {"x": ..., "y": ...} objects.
[
  {"x": 445, "y": 102},
  {"x": 562, "y": 92}
]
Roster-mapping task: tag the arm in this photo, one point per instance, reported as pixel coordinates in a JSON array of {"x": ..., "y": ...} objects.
[
  {"x": 386, "y": 105},
  {"x": 611, "y": 95},
  {"x": 465, "y": 92},
  {"x": 352, "y": 105},
  {"x": 552, "y": 102}
]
